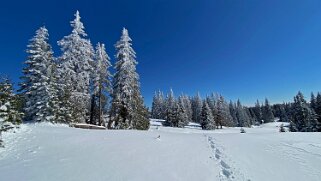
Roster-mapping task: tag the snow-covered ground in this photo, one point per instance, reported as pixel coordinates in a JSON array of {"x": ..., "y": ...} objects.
[{"x": 56, "y": 152}]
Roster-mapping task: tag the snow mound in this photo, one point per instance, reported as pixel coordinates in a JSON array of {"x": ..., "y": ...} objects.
[
  {"x": 87, "y": 126},
  {"x": 156, "y": 122}
]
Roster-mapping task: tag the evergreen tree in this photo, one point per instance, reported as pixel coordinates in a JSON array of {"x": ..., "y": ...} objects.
[
  {"x": 242, "y": 116},
  {"x": 35, "y": 85},
  {"x": 9, "y": 104},
  {"x": 207, "y": 119},
  {"x": 223, "y": 117},
  {"x": 232, "y": 109},
  {"x": 197, "y": 108},
  {"x": 188, "y": 107},
  {"x": 158, "y": 105},
  {"x": 258, "y": 112},
  {"x": 127, "y": 111},
  {"x": 182, "y": 117},
  {"x": 313, "y": 102},
  {"x": 171, "y": 109},
  {"x": 283, "y": 114},
  {"x": 102, "y": 85},
  {"x": 318, "y": 109},
  {"x": 267, "y": 114},
  {"x": 304, "y": 118},
  {"x": 65, "y": 105},
  {"x": 76, "y": 68},
  {"x": 212, "y": 103},
  {"x": 53, "y": 92}
]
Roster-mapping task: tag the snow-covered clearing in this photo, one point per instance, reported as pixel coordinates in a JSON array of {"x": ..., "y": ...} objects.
[{"x": 56, "y": 152}]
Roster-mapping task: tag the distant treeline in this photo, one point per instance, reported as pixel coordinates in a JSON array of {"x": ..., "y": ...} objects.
[{"x": 214, "y": 111}]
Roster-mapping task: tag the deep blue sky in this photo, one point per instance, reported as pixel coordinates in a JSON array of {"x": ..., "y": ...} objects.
[{"x": 245, "y": 49}]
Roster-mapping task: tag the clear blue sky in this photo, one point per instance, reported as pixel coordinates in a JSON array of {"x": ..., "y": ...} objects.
[{"x": 245, "y": 49}]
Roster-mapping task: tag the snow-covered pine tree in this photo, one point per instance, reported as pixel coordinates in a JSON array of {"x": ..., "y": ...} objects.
[
  {"x": 212, "y": 102},
  {"x": 232, "y": 109},
  {"x": 9, "y": 104},
  {"x": 197, "y": 108},
  {"x": 207, "y": 119},
  {"x": 171, "y": 109},
  {"x": 223, "y": 117},
  {"x": 158, "y": 105},
  {"x": 182, "y": 117},
  {"x": 76, "y": 63},
  {"x": 304, "y": 118},
  {"x": 141, "y": 114},
  {"x": 102, "y": 85},
  {"x": 283, "y": 114},
  {"x": 258, "y": 112},
  {"x": 127, "y": 109},
  {"x": 267, "y": 114},
  {"x": 53, "y": 92},
  {"x": 65, "y": 105},
  {"x": 242, "y": 116},
  {"x": 188, "y": 107},
  {"x": 36, "y": 79},
  {"x": 313, "y": 101},
  {"x": 155, "y": 106},
  {"x": 318, "y": 109},
  {"x": 249, "y": 115}
]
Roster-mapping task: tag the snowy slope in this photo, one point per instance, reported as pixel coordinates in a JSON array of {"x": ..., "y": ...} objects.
[
  {"x": 48, "y": 152},
  {"x": 62, "y": 153}
]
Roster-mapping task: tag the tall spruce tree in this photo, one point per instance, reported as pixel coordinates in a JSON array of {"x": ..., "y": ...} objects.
[
  {"x": 182, "y": 116},
  {"x": 267, "y": 114},
  {"x": 158, "y": 105},
  {"x": 76, "y": 68},
  {"x": 188, "y": 107},
  {"x": 207, "y": 119},
  {"x": 35, "y": 85},
  {"x": 241, "y": 115},
  {"x": 197, "y": 108},
  {"x": 304, "y": 118},
  {"x": 313, "y": 101},
  {"x": 102, "y": 85},
  {"x": 232, "y": 108},
  {"x": 171, "y": 109},
  {"x": 258, "y": 112},
  {"x": 128, "y": 110},
  {"x": 223, "y": 117}
]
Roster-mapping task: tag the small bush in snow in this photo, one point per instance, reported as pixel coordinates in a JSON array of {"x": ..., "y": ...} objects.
[
  {"x": 242, "y": 130},
  {"x": 282, "y": 129}
]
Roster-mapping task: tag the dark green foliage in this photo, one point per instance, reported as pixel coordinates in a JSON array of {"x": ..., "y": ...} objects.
[
  {"x": 318, "y": 111},
  {"x": 304, "y": 118}
]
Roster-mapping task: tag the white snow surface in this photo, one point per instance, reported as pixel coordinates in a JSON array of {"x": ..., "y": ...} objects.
[{"x": 56, "y": 152}]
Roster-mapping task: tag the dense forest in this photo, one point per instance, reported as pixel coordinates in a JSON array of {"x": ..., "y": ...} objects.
[{"x": 215, "y": 112}]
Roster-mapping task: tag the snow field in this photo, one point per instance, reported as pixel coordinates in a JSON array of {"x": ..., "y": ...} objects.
[{"x": 56, "y": 152}]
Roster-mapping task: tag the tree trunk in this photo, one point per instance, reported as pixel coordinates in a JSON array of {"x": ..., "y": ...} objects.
[
  {"x": 100, "y": 119},
  {"x": 92, "y": 109}
]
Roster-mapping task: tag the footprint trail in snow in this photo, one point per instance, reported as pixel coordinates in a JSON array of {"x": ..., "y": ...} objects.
[{"x": 227, "y": 173}]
